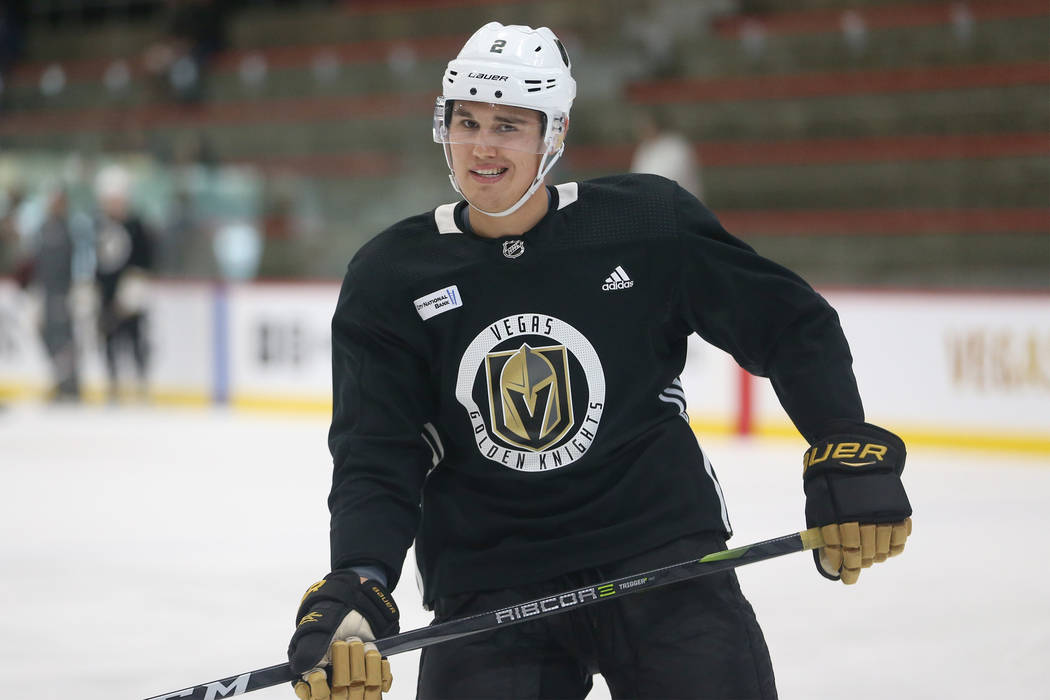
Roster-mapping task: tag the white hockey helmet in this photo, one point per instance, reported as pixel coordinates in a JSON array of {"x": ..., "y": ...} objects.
[
  {"x": 113, "y": 181},
  {"x": 517, "y": 66}
]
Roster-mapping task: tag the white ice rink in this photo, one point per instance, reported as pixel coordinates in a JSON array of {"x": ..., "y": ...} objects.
[{"x": 143, "y": 550}]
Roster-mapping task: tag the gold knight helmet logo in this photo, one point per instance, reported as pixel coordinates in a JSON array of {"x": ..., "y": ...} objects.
[
  {"x": 529, "y": 395},
  {"x": 534, "y": 391}
]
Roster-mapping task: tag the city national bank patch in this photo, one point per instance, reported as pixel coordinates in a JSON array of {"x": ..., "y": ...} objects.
[{"x": 438, "y": 302}]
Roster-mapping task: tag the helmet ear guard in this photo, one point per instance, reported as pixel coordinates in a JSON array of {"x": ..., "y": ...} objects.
[{"x": 559, "y": 127}]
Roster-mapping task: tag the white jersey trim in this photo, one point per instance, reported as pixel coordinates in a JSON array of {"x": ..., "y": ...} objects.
[
  {"x": 568, "y": 193},
  {"x": 445, "y": 218},
  {"x": 673, "y": 394},
  {"x": 718, "y": 490},
  {"x": 433, "y": 440},
  {"x": 445, "y": 215}
]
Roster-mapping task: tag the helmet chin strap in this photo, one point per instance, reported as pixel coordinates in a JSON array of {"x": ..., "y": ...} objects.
[{"x": 546, "y": 163}]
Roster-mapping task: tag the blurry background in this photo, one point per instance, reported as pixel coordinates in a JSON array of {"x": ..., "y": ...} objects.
[
  {"x": 182, "y": 183},
  {"x": 881, "y": 142}
]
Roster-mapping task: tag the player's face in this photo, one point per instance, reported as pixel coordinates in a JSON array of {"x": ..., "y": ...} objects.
[{"x": 496, "y": 152}]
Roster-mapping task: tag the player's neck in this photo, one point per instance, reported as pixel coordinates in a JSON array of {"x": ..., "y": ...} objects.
[{"x": 530, "y": 213}]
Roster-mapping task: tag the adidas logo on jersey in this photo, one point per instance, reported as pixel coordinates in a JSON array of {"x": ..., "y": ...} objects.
[{"x": 619, "y": 279}]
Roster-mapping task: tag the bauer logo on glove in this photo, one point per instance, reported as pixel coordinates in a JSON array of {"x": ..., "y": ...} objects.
[{"x": 864, "y": 454}]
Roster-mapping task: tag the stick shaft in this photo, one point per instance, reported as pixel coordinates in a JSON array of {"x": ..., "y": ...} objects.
[{"x": 524, "y": 612}]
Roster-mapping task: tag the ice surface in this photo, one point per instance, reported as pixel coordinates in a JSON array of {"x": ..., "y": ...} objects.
[{"x": 143, "y": 550}]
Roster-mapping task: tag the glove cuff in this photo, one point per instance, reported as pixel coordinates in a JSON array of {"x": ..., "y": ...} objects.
[
  {"x": 381, "y": 612},
  {"x": 327, "y": 604},
  {"x": 855, "y": 447},
  {"x": 853, "y": 474},
  {"x": 344, "y": 586}
]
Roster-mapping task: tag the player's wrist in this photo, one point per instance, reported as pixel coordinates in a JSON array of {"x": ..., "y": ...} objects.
[
  {"x": 340, "y": 606},
  {"x": 853, "y": 474},
  {"x": 374, "y": 572}
]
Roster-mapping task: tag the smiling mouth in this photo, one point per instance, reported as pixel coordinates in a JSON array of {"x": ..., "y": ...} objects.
[{"x": 488, "y": 173}]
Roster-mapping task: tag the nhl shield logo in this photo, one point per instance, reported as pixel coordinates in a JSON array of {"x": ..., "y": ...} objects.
[
  {"x": 530, "y": 397},
  {"x": 513, "y": 249}
]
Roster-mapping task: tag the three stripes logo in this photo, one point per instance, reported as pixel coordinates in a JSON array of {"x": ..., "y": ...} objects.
[
  {"x": 619, "y": 279},
  {"x": 675, "y": 395}
]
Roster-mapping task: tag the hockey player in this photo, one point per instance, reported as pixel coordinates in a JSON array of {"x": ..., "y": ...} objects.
[
  {"x": 506, "y": 394},
  {"x": 123, "y": 263}
]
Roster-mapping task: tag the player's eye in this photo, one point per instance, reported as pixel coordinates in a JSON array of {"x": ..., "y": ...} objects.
[{"x": 468, "y": 123}]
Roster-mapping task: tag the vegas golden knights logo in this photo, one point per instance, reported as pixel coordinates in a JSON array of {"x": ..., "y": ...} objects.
[
  {"x": 514, "y": 382},
  {"x": 530, "y": 397}
]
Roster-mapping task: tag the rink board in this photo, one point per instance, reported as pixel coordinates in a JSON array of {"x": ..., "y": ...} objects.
[{"x": 948, "y": 368}]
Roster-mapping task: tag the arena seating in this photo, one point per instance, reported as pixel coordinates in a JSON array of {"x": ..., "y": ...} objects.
[{"x": 882, "y": 142}]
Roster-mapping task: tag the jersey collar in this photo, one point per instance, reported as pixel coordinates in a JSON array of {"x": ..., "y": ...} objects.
[{"x": 445, "y": 216}]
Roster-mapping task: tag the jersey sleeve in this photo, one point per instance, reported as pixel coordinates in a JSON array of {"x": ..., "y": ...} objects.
[
  {"x": 768, "y": 318},
  {"x": 380, "y": 400}
]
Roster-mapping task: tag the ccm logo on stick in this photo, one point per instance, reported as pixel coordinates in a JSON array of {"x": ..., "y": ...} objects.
[{"x": 214, "y": 690}]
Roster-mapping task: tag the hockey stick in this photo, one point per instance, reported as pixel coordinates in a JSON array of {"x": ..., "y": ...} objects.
[{"x": 533, "y": 609}]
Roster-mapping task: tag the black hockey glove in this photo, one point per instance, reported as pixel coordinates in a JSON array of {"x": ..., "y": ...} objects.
[
  {"x": 338, "y": 619},
  {"x": 852, "y": 480}
]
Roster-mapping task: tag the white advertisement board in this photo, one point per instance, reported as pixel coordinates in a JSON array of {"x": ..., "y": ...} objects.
[
  {"x": 182, "y": 337},
  {"x": 280, "y": 344},
  {"x": 947, "y": 367},
  {"x": 23, "y": 362},
  {"x": 179, "y": 333},
  {"x": 712, "y": 387}
]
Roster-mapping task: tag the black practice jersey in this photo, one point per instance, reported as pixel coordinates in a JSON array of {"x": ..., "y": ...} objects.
[
  {"x": 120, "y": 245},
  {"x": 514, "y": 405}
]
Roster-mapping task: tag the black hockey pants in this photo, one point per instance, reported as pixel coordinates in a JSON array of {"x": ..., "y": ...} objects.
[{"x": 696, "y": 639}]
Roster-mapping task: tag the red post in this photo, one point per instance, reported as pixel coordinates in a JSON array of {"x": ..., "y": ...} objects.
[{"x": 744, "y": 407}]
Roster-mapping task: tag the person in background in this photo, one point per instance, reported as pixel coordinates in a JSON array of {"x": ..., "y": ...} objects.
[
  {"x": 12, "y": 38},
  {"x": 52, "y": 278},
  {"x": 664, "y": 151},
  {"x": 10, "y": 241},
  {"x": 123, "y": 262},
  {"x": 197, "y": 31}
]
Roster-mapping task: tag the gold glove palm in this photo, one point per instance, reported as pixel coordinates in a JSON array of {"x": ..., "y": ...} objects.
[
  {"x": 358, "y": 673},
  {"x": 850, "y": 547}
]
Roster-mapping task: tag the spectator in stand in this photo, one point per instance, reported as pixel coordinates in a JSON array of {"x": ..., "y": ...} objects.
[
  {"x": 664, "y": 151},
  {"x": 197, "y": 30},
  {"x": 124, "y": 261},
  {"x": 12, "y": 23}
]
